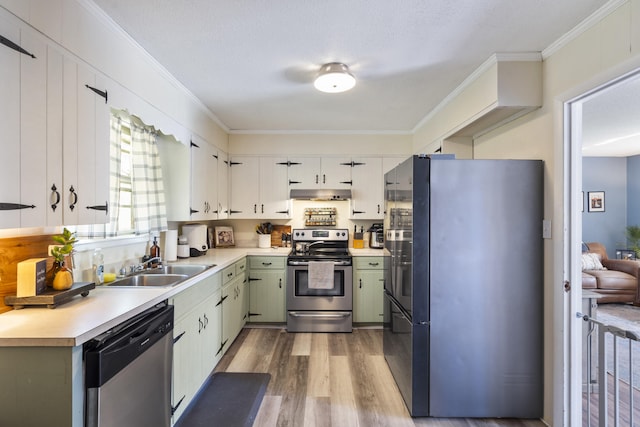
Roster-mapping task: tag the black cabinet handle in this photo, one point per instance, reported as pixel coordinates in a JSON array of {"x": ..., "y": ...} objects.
[
  {"x": 280, "y": 283},
  {"x": 14, "y": 206},
  {"x": 15, "y": 47},
  {"x": 262, "y": 208},
  {"x": 55, "y": 191},
  {"x": 200, "y": 325},
  {"x": 373, "y": 264},
  {"x": 75, "y": 198},
  {"x": 378, "y": 208},
  {"x": 255, "y": 208},
  {"x": 317, "y": 179},
  {"x": 267, "y": 263},
  {"x": 324, "y": 179}
]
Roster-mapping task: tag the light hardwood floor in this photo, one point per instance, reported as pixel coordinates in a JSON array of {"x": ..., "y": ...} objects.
[{"x": 329, "y": 380}]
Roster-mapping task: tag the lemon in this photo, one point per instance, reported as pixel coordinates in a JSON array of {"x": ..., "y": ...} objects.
[{"x": 63, "y": 280}]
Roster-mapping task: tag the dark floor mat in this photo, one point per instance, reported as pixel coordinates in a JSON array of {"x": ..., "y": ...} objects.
[{"x": 229, "y": 399}]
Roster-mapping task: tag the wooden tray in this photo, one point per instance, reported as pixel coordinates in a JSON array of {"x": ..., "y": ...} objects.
[
  {"x": 276, "y": 234},
  {"x": 50, "y": 298}
]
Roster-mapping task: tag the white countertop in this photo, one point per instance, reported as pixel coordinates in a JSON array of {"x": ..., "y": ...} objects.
[{"x": 83, "y": 318}]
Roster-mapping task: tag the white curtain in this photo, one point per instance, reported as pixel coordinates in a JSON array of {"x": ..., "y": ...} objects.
[{"x": 149, "y": 211}]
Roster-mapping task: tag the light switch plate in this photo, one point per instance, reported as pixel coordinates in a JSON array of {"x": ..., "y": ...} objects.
[{"x": 546, "y": 228}]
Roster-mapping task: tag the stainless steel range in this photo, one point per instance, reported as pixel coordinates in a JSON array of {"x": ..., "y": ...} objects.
[{"x": 319, "y": 281}]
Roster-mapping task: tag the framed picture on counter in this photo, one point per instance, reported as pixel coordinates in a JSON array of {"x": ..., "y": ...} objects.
[{"x": 224, "y": 237}]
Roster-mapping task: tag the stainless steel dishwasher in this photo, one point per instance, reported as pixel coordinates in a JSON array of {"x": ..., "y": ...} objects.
[{"x": 128, "y": 372}]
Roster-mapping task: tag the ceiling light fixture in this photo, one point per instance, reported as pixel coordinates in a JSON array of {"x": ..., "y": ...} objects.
[{"x": 334, "y": 77}]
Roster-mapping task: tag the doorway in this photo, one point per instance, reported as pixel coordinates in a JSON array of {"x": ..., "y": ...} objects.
[{"x": 601, "y": 128}]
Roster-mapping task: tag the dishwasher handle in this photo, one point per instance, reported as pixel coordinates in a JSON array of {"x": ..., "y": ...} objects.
[{"x": 105, "y": 361}]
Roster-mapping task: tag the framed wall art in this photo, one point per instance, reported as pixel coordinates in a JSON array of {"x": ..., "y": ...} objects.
[
  {"x": 224, "y": 237},
  {"x": 595, "y": 201}
]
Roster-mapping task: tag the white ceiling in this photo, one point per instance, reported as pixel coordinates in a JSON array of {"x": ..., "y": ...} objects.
[
  {"x": 611, "y": 121},
  {"x": 252, "y": 62}
]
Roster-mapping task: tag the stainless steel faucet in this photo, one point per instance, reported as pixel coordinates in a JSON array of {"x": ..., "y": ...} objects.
[{"x": 139, "y": 267}]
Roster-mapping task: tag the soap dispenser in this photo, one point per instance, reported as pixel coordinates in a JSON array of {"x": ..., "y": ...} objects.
[{"x": 154, "y": 252}]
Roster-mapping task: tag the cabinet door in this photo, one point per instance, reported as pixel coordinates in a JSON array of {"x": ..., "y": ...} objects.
[
  {"x": 93, "y": 148},
  {"x": 304, "y": 172},
  {"x": 245, "y": 175},
  {"x": 200, "y": 177},
  {"x": 336, "y": 173},
  {"x": 187, "y": 361},
  {"x": 228, "y": 307},
  {"x": 211, "y": 334},
  {"x": 33, "y": 130},
  {"x": 368, "y": 296},
  {"x": 367, "y": 198},
  {"x": 85, "y": 145},
  {"x": 54, "y": 184},
  {"x": 274, "y": 188},
  {"x": 223, "y": 185},
  {"x": 10, "y": 123},
  {"x": 266, "y": 296}
]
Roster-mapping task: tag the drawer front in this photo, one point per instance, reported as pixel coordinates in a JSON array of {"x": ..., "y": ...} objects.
[
  {"x": 368, "y": 262},
  {"x": 267, "y": 262},
  {"x": 228, "y": 274},
  {"x": 241, "y": 266},
  {"x": 186, "y": 300}
]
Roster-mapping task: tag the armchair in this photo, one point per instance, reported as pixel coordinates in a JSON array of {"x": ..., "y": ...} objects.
[{"x": 618, "y": 283}]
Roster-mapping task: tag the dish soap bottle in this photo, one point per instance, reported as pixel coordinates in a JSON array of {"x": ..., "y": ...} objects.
[
  {"x": 98, "y": 266},
  {"x": 154, "y": 252}
]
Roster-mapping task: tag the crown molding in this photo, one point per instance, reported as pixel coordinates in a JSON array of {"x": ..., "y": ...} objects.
[{"x": 582, "y": 27}]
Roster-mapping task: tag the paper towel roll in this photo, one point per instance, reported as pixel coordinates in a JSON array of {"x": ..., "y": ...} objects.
[{"x": 169, "y": 243}]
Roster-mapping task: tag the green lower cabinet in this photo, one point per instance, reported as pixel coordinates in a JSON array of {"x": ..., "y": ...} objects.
[
  {"x": 267, "y": 281},
  {"x": 266, "y": 296},
  {"x": 368, "y": 290}
]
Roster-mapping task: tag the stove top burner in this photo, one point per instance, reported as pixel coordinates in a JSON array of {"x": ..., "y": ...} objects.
[{"x": 320, "y": 245}]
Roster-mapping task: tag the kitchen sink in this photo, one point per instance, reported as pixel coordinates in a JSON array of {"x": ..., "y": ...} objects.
[
  {"x": 146, "y": 280},
  {"x": 188, "y": 269}
]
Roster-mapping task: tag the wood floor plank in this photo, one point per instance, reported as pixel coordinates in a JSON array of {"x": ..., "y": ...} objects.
[
  {"x": 317, "y": 410},
  {"x": 269, "y": 411},
  {"x": 343, "y": 403},
  {"x": 318, "y": 378},
  {"x": 302, "y": 345}
]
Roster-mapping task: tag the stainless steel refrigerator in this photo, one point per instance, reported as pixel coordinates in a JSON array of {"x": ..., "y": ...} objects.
[{"x": 463, "y": 329}]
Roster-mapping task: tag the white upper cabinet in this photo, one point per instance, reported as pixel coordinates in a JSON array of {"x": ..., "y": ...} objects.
[
  {"x": 204, "y": 175},
  {"x": 274, "y": 191},
  {"x": 223, "y": 185},
  {"x": 367, "y": 195},
  {"x": 10, "y": 59},
  {"x": 259, "y": 187},
  {"x": 316, "y": 172},
  {"x": 245, "y": 188},
  {"x": 86, "y": 118}
]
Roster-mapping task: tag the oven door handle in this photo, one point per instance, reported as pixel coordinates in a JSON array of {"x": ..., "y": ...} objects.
[
  {"x": 319, "y": 315},
  {"x": 305, "y": 263}
]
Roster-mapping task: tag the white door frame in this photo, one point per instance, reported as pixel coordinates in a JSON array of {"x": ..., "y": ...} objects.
[{"x": 572, "y": 210}]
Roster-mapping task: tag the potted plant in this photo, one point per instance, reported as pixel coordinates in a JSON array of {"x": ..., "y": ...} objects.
[
  {"x": 60, "y": 277},
  {"x": 633, "y": 239}
]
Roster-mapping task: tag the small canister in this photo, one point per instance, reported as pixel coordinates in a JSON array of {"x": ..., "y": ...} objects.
[{"x": 183, "y": 248}]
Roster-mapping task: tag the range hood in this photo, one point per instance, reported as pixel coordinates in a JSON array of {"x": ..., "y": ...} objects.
[{"x": 320, "y": 194}]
